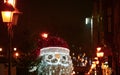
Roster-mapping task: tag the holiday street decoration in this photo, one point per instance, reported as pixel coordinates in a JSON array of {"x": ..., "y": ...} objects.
[{"x": 53, "y": 57}]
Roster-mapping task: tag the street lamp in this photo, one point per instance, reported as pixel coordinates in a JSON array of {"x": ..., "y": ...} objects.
[
  {"x": 7, "y": 13},
  {"x": 100, "y": 55}
]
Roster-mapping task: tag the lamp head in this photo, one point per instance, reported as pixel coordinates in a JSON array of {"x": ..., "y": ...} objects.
[
  {"x": 7, "y": 7},
  {"x": 7, "y": 12}
]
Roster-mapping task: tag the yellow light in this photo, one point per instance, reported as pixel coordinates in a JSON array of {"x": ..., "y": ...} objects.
[
  {"x": 73, "y": 72},
  {"x": 97, "y": 62},
  {"x": 93, "y": 65},
  {"x": 15, "y": 49},
  {"x": 57, "y": 56},
  {"x": 11, "y": 2},
  {"x": 78, "y": 57},
  {"x": 100, "y": 54},
  {"x": 73, "y": 54},
  {"x": 16, "y": 54},
  {"x": 96, "y": 58},
  {"x": 0, "y": 49},
  {"x": 7, "y": 16},
  {"x": 98, "y": 49}
]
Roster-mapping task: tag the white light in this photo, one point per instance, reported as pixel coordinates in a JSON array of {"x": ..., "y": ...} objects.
[
  {"x": 87, "y": 20},
  {"x": 44, "y": 35},
  {"x": 11, "y": 2},
  {"x": 0, "y": 49},
  {"x": 73, "y": 72},
  {"x": 51, "y": 50},
  {"x": 106, "y": 62},
  {"x": 33, "y": 69},
  {"x": 98, "y": 49},
  {"x": 15, "y": 49}
]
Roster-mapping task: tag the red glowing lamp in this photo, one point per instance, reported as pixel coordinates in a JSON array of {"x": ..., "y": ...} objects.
[{"x": 44, "y": 35}]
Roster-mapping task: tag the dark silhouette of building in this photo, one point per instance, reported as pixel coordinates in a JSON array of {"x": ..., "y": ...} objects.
[{"x": 106, "y": 17}]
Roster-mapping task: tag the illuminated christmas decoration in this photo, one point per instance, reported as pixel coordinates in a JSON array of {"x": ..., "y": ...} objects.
[
  {"x": 54, "y": 57},
  {"x": 50, "y": 41}
]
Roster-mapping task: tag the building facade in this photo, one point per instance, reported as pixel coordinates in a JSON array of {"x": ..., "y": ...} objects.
[{"x": 106, "y": 15}]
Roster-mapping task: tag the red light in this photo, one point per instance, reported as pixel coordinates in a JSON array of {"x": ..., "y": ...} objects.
[{"x": 44, "y": 35}]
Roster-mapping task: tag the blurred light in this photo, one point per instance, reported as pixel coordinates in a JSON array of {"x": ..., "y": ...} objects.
[
  {"x": 0, "y": 49},
  {"x": 97, "y": 62},
  {"x": 92, "y": 21},
  {"x": 16, "y": 54},
  {"x": 98, "y": 49},
  {"x": 78, "y": 57},
  {"x": 33, "y": 69},
  {"x": 106, "y": 62},
  {"x": 73, "y": 54},
  {"x": 96, "y": 58},
  {"x": 100, "y": 54},
  {"x": 7, "y": 16},
  {"x": 15, "y": 49},
  {"x": 73, "y": 72},
  {"x": 44, "y": 35},
  {"x": 11, "y": 2},
  {"x": 93, "y": 65},
  {"x": 88, "y": 20}
]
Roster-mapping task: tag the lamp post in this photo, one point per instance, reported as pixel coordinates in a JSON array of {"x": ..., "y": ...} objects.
[
  {"x": 7, "y": 13},
  {"x": 100, "y": 55}
]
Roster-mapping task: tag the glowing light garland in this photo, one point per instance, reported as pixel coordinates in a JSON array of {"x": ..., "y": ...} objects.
[
  {"x": 55, "y": 60},
  {"x": 55, "y": 57}
]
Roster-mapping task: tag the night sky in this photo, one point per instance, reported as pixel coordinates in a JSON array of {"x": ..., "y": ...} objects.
[{"x": 62, "y": 18}]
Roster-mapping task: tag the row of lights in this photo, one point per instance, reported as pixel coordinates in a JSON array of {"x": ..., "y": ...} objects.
[
  {"x": 15, "y": 53},
  {"x": 97, "y": 61}
]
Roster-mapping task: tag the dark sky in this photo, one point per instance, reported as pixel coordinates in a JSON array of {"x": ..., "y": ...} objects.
[{"x": 63, "y": 18}]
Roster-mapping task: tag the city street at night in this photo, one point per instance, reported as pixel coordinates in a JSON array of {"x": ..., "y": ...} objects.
[{"x": 55, "y": 37}]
